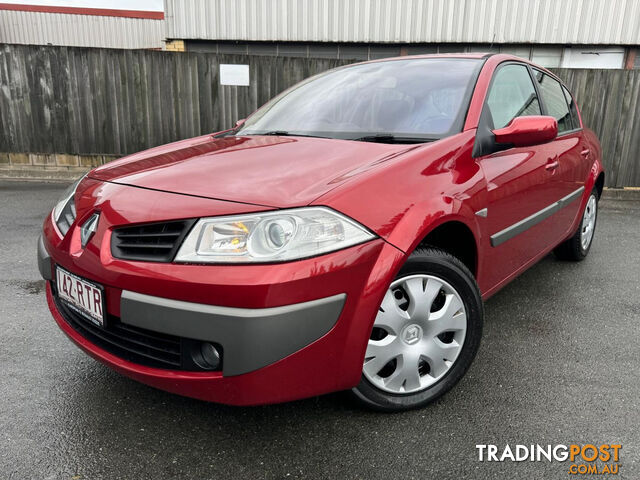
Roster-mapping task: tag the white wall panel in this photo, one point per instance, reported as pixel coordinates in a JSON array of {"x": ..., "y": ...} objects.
[{"x": 593, "y": 58}]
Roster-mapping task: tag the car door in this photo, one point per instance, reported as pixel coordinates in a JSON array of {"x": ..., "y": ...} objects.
[
  {"x": 521, "y": 182},
  {"x": 570, "y": 149}
]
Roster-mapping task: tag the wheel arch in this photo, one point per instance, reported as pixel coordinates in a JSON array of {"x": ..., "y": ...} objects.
[
  {"x": 455, "y": 237},
  {"x": 599, "y": 184}
]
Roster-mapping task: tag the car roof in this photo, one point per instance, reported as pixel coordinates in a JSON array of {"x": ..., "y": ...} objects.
[
  {"x": 497, "y": 58},
  {"x": 476, "y": 55}
]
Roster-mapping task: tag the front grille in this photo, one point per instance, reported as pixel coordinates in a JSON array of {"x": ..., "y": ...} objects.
[
  {"x": 125, "y": 341},
  {"x": 151, "y": 242},
  {"x": 137, "y": 345}
]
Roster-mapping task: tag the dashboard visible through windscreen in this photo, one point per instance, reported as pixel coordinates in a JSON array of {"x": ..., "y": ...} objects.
[{"x": 422, "y": 99}]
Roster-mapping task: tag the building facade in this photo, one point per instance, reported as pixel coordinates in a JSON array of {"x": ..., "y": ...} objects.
[
  {"x": 81, "y": 27},
  {"x": 554, "y": 33}
]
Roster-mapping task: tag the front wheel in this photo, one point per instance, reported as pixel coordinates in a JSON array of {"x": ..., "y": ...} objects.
[
  {"x": 577, "y": 247},
  {"x": 425, "y": 335}
]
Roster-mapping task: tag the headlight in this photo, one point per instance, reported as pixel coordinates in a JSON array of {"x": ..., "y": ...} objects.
[
  {"x": 271, "y": 236},
  {"x": 64, "y": 213}
]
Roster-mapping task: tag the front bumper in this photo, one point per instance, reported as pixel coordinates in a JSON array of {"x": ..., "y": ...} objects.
[
  {"x": 287, "y": 331},
  {"x": 44, "y": 261},
  {"x": 250, "y": 338}
]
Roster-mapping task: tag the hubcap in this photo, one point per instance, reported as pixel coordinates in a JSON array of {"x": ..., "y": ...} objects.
[
  {"x": 588, "y": 222},
  {"x": 417, "y": 336}
]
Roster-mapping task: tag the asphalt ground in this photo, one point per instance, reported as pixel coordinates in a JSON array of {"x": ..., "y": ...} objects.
[{"x": 559, "y": 364}]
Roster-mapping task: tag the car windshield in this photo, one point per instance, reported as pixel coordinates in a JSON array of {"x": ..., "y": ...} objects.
[{"x": 410, "y": 100}]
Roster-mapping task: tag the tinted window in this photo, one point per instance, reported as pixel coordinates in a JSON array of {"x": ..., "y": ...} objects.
[
  {"x": 573, "y": 110},
  {"x": 418, "y": 97},
  {"x": 512, "y": 95},
  {"x": 554, "y": 100}
]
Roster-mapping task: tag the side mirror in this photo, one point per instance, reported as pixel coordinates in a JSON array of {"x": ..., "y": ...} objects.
[
  {"x": 240, "y": 122},
  {"x": 528, "y": 131}
]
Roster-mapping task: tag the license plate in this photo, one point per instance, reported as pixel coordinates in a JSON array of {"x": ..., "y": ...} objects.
[{"x": 82, "y": 296}]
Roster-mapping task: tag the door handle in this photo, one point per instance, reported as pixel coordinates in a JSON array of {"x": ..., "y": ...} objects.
[
  {"x": 552, "y": 164},
  {"x": 585, "y": 153}
]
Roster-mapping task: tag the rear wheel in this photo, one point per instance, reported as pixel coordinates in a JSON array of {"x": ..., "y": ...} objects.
[
  {"x": 425, "y": 335},
  {"x": 577, "y": 247}
]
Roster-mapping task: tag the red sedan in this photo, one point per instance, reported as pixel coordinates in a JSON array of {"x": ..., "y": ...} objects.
[{"x": 343, "y": 237}]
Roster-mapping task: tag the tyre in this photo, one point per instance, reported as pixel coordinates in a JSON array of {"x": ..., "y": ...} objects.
[
  {"x": 577, "y": 247},
  {"x": 425, "y": 335}
]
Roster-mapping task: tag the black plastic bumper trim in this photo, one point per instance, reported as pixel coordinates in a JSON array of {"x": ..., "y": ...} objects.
[
  {"x": 525, "y": 224},
  {"x": 44, "y": 260},
  {"x": 251, "y": 338}
]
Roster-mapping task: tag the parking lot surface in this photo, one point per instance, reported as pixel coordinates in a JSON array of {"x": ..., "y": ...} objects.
[{"x": 559, "y": 364}]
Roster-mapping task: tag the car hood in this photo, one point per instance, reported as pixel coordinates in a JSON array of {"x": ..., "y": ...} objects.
[{"x": 271, "y": 171}]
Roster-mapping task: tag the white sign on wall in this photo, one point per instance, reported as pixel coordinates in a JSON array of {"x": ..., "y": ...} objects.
[
  {"x": 234, "y": 75},
  {"x": 608, "y": 57}
]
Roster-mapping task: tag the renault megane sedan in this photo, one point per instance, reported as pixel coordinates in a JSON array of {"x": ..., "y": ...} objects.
[{"x": 343, "y": 237}]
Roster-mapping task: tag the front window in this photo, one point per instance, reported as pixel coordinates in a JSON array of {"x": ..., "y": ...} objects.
[
  {"x": 512, "y": 95},
  {"x": 414, "y": 99}
]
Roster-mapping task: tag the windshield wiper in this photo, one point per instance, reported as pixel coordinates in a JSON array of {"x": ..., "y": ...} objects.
[
  {"x": 390, "y": 138},
  {"x": 284, "y": 133},
  {"x": 279, "y": 133}
]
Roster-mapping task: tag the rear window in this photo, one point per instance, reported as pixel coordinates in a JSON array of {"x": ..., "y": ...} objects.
[
  {"x": 573, "y": 109},
  {"x": 554, "y": 100}
]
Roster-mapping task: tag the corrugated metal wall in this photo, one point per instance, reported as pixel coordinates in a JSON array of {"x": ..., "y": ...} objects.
[
  {"x": 40, "y": 28},
  {"x": 587, "y": 22}
]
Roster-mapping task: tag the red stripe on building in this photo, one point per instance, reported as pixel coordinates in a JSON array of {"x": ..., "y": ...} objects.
[{"x": 105, "y": 12}]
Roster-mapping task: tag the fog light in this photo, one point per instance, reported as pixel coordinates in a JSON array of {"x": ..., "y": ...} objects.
[{"x": 208, "y": 358}]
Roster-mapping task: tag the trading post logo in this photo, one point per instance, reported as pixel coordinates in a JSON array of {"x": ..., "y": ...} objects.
[{"x": 585, "y": 459}]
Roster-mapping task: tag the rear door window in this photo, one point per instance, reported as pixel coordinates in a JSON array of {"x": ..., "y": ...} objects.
[
  {"x": 554, "y": 101},
  {"x": 573, "y": 110},
  {"x": 511, "y": 95}
]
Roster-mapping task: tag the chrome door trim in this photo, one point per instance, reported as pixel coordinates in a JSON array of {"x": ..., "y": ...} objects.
[{"x": 526, "y": 223}]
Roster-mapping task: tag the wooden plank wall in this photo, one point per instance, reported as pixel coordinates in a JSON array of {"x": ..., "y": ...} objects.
[
  {"x": 100, "y": 101},
  {"x": 609, "y": 101},
  {"x": 107, "y": 101}
]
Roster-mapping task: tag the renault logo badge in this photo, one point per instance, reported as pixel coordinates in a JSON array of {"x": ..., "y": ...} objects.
[
  {"x": 412, "y": 334},
  {"x": 88, "y": 229}
]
